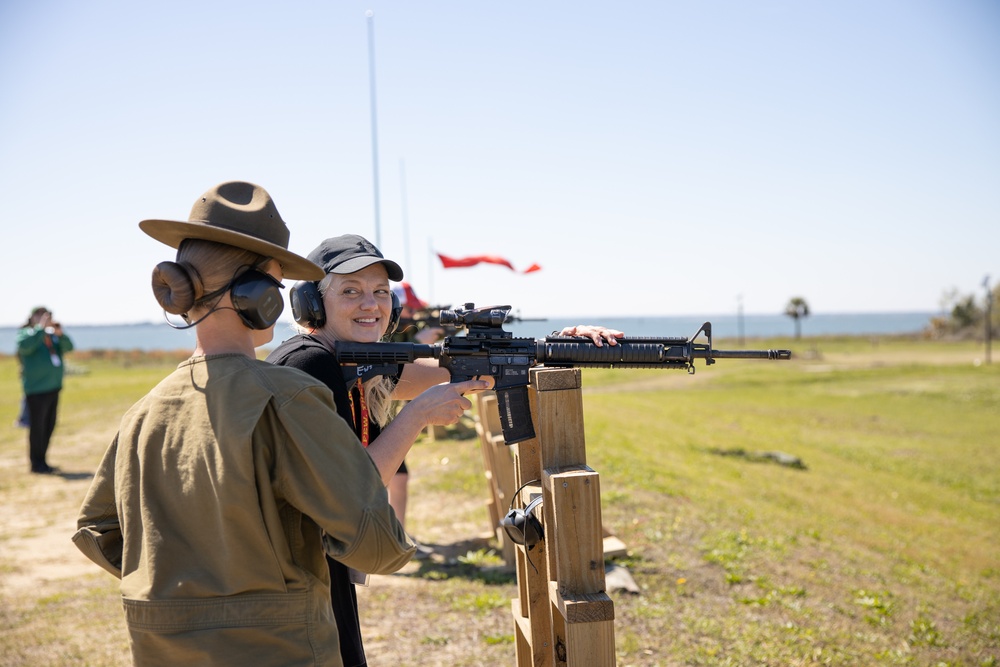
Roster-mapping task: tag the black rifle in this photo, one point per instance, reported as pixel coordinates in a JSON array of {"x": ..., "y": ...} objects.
[{"x": 489, "y": 350}]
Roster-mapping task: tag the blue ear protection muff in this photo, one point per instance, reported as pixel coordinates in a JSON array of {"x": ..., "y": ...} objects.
[
  {"x": 308, "y": 310},
  {"x": 256, "y": 297},
  {"x": 521, "y": 525}
]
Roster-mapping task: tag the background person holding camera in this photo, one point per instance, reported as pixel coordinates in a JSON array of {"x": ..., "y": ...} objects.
[{"x": 41, "y": 345}]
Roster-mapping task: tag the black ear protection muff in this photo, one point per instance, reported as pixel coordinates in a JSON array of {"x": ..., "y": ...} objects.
[
  {"x": 521, "y": 525},
  {"x": 256, "y": 297},
  {"x": 397, "y": 310},
  {"x": 307, "y": 305},
  {"x": 308, "y": 310}
]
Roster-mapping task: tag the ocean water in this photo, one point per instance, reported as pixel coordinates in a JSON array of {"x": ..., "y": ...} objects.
[{"x": 159, "y": 336}]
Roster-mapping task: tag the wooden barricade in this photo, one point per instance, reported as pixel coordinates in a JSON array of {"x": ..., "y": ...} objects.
[
  {"x": 498, "y": 470},
  {"x": 562, "y": 615}
]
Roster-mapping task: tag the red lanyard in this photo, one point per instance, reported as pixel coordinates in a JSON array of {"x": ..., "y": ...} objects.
[
  {"x": 364, "y": 411},
  {"x": 53, "y": 356}
]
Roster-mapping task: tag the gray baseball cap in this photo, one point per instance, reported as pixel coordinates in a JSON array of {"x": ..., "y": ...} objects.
[{"x": 351, "y": 253}]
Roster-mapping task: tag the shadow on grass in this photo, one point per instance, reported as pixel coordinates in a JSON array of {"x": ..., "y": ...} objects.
[
  {"x": 471, "y": 559},
  {"x": 69, "y": 476},
  {"x": 780, "y": 458}
]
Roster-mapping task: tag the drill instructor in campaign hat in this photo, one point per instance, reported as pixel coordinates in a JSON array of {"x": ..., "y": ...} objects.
[{"x": 227, "y": 483}]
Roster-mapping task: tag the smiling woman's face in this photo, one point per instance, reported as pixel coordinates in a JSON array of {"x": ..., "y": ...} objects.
[{"x": 358, "y": 305}]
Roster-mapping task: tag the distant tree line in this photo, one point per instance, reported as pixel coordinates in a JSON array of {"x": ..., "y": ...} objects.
[{"x": 966, "y": 315}]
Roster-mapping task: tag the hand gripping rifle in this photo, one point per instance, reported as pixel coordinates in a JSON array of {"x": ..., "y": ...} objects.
[{"x": 489, "y": 350}]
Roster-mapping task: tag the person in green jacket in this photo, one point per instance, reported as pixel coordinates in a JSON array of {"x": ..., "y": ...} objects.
[{"x": 41, "y": 344}]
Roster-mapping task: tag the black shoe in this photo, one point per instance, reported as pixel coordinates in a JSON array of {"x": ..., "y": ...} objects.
[
  {"x": 423, "y": 552},
  {"x": 44, "y": 469}
]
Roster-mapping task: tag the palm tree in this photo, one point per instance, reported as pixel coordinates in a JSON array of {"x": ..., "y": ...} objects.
[{"x": 796, "y": 309}]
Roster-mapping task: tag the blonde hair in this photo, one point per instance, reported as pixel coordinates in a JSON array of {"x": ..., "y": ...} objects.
[
  {"x": 201, "y": 270},
  {"x": 378, "y": 395}
]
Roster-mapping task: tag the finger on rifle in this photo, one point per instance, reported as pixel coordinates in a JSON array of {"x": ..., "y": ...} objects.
[
  {"x": 602, "y": 334},
  {"x": 487, "y": 379},
  {"x": 472, "y": 386},
  {"x": 613, "y": 335}
]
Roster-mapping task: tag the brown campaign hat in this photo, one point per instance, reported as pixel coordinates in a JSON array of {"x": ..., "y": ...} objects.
[{"x": 239, "y": 214}]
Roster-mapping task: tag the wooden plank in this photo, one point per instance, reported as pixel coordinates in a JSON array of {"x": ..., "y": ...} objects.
[
  {"x": 532, "y": 576},
  {"x": 559, "y": 417},
  {"x": 503, "y": 471},
  {"x": 614, "y": 547},
  {"x": 584, "y": 608},
  {"x": 527, "y": 460},
  {"x": 590, "y": 644},
  {"x": 498, "y": 468},
  {"x": 555, "y": 379},
  {"x": 486, "y": 406},
  {"x": 587, "y": 644},
  {"x": 522, "y": 635},
  {"x": 494, "y": 504},
  {"x": 573, "y": 529}
]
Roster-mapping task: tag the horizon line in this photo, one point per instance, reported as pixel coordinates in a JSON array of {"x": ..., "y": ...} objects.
[{"x": 708, "y": 317}]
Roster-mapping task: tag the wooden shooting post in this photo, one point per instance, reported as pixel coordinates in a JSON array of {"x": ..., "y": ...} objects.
[
  {"x": 498, "y": 468},
  {"x": 563, "y": 614}
]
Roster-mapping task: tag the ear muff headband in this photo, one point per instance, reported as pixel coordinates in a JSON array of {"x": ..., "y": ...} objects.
[{"x": 308, "y": 309}]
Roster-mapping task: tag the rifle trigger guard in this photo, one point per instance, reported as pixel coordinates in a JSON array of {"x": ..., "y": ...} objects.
[{"x": 690, "y": 369}]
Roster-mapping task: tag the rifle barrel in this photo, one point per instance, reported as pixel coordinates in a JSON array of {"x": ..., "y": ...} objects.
[
  {"x": 639, "y": 353},
  {"x": 752, "y": 354}
]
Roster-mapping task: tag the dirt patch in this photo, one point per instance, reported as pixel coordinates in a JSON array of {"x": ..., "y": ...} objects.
[
  {"x": 449, "y": 607},
  {"x": 36, "y": 532}
]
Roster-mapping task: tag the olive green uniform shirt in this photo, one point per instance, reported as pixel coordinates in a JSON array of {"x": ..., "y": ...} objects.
[{"x": 214, "y": 505}]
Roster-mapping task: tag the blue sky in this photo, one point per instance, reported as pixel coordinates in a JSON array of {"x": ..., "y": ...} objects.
[{"x": 669, "y": 158}]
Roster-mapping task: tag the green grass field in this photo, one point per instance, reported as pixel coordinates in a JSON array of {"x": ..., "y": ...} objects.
[
  {"x": 839, "y": 509},
  {"x": 883, "y": 549}
]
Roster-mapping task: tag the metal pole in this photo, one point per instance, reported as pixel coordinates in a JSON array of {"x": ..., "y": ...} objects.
[
  {"x": 989, "y": 316},
  {"x": 371, "y": 81},
  {"x": 406, "y": 221},
  {"x": 739, "y": 317},
  {"x": 430, "y": 270}
]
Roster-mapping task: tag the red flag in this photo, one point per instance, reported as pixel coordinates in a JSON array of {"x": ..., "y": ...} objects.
[
  {"x": 463, "y": 262},
  {"x": 408, "y": 297}
]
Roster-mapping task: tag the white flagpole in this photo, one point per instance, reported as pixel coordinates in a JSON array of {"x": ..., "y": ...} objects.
[{"x": 371, "y": 80}]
